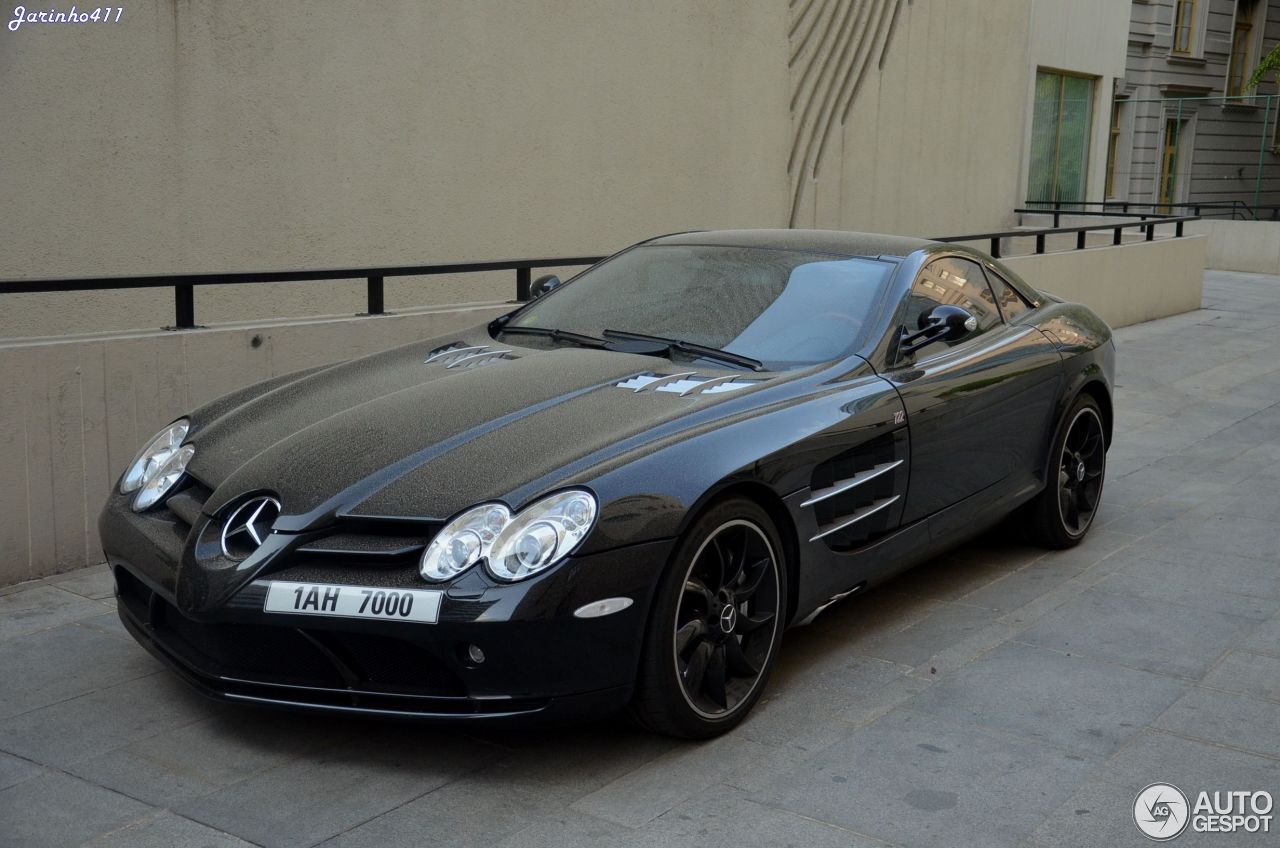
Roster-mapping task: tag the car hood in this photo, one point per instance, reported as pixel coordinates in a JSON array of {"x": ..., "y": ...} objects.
[{"x": 422, "y": 431}]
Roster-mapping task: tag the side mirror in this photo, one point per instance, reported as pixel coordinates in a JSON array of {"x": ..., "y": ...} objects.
[
  {"x": 542, "y": 285},
  {"x": 943, "y": 323}
]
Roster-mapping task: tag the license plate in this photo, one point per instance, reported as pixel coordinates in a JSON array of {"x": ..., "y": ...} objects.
[{"x": 353, "y": 601}]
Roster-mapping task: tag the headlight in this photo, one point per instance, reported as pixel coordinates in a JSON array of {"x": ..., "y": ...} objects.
[
  {"x": 542, "y": 534},
  {"x": 163, "y": 479},
  {"x": 154, "y": 455},
  {"x": 463, "y": 541},
  {"x": 514, "y": 547},
  {"x": 158, "y": 466}
]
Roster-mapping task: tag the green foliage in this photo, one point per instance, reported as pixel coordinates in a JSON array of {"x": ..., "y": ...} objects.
[{"x": 1269, "y": 64}]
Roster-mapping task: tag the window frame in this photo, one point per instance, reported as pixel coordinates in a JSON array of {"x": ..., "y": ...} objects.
[
  {"x": 1171, "y": 186},
  {"x": 1254, "y": 32},
  {"x": 1113, "y": 150},
  {"x": 1192, "y": 24}
]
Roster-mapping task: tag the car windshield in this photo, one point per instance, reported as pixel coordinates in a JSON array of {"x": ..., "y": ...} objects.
[{"x": 786, "y": 308}]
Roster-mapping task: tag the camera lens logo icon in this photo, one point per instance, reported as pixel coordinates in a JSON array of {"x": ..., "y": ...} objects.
[{"x": 1160, "y": 811}]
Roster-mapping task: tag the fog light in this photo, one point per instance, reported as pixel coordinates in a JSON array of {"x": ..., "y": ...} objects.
[{"x": 475, "y": 654}]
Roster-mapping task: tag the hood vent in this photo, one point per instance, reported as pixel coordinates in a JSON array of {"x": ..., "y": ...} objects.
[
  {"x": 687, "y": 383},
  {"x": 463, "y": 355}
]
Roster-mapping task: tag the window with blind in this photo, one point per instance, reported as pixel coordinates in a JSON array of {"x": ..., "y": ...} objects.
[{"x": 1060, "y": 128}]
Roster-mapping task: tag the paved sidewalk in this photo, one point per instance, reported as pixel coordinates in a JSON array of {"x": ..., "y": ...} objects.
[{"x": 995, "y": 696}]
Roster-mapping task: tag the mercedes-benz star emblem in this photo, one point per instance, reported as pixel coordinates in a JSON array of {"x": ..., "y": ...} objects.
[
  {"x": 248, "y": 527},
  {"x": 728, "y": 618}
]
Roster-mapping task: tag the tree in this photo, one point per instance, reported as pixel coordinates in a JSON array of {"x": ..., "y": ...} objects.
[{"x": 1269, "y": 64}]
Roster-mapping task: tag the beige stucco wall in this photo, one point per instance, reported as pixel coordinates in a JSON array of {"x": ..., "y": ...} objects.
[
  {"x": 1085, "y": 37},
  {"x": 932, "y": 140},
  {"x": 223, "y": 135},
  {"x": 228, "y": 135}
]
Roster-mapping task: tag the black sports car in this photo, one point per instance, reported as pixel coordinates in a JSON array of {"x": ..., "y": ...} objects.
[{"x": 621, "y": 493}]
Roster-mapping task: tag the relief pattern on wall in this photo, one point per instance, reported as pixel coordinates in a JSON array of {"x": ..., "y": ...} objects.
[{"x": 834, "y": 45}]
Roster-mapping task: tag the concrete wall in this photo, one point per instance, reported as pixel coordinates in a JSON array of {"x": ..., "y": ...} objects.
[
  {"x": 74, "y": 411},
  {"x": 1125, "y": 285},
  {"x": 1252, "y": 246}
]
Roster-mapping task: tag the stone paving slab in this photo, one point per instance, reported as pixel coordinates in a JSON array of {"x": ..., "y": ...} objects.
[{"x": 998, "y": 695}]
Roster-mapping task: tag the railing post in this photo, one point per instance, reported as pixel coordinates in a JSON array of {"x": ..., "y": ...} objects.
[
  {"x": 184, "y": 306},
  {"x": 1080, "y": 240},
  {"x": 1039, "y": 242},
  {"x": 1118, "y": 236},
  {"x": 995, "y": 247},
  {"x": 375, "y": 294},
  {"x": 524, "y": 284}
]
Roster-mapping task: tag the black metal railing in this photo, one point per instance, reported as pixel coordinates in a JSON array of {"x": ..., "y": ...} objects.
[
  {"x": 184, "y": 285},
  {"x": 1238, "y": 210},
  {"x": 1147, "y": 225}
]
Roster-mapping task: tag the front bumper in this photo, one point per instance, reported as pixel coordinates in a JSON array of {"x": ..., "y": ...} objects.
[{"x": 540, "y": 661}]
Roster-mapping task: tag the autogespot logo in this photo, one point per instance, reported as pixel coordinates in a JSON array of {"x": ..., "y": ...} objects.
[{"x": 1160, "y": 811}]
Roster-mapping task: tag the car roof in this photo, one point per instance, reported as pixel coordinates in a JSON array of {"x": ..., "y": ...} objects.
[{"x": 817, "y": 241}]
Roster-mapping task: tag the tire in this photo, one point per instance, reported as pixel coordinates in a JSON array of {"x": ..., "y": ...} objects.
[
  {"x": 1062, "y": 514},
  {"x": 709, "y": 649}
]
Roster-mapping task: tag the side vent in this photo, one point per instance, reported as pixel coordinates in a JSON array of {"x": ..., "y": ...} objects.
[
  {"x": 687, "y": 383},
  {"x": 462, "y": 355},
  {"x": 852, "y": 494}
]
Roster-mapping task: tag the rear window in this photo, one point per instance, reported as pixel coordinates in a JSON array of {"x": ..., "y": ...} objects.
[{"x": 1011, "y": 303}]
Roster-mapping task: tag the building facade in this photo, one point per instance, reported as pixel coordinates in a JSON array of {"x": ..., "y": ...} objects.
[{"x": 1185, "y": 127}]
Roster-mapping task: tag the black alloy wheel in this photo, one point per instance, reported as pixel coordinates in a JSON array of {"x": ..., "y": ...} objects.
[
  {"x": 1063, "y": 512},
  {"x": 1083, "y": 460},
  {"x": 723, "y": 627},
  {"x": 716, "y": 624}
]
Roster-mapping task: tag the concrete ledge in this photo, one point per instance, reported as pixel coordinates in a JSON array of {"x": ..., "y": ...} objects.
[
  {"x": 1127, "y": 284},
  {"x": 75, "y": 409},
  {"x": 1252, "y": 246}
]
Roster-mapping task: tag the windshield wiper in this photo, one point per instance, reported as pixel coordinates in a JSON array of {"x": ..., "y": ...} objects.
[
  {"x": 689, "y": 347},
  {"x": 559, "y": 336}
]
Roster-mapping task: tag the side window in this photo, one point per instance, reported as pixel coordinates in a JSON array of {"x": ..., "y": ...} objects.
[
  {"x": 1011, "y": 303},
  {"x": 958, "y": 282}
]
